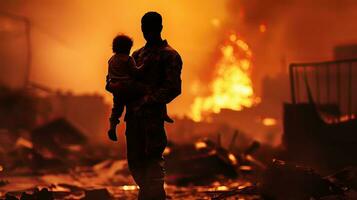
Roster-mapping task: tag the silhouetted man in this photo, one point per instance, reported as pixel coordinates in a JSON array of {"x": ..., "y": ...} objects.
[{"x": 145, "y": 133}]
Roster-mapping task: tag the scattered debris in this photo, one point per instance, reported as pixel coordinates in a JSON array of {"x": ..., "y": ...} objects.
[
  {"x": 285, "y": 181},
  {"x": 57, "y": 144},
  {"x": 10, "y": 197},
  {"x": 249, "y": 190},
  {"x": 3, "y": 182},
  {"x": 56, "y": 136},
  {"x": 96, "y": 194},
  {"x": 43, "y": 194},
  {"x": 345, "y": 178},
  {"x": 108, "y": 168},
  {"x": 187, "y": 164}
]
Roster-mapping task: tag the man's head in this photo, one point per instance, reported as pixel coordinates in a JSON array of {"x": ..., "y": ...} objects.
[
  {"x": 122, "y": 44},
  {"x": 151, "y": 25}
]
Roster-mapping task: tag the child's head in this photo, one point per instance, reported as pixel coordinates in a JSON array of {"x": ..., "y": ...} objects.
[{"x": 122, "y": 44}]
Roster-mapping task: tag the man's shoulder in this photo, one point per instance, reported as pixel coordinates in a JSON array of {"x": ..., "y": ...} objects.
[
  {"x": 170, "y": 50},
  {"x": 111, "y": 59}
]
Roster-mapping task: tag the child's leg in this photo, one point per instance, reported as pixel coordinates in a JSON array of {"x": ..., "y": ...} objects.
[{"x": 117, "y": 110}]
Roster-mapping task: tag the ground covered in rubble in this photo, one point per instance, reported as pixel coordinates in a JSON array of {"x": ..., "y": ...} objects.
[
  {"x": 65, "y": 166},
  {"x": 113, "y": 178}
]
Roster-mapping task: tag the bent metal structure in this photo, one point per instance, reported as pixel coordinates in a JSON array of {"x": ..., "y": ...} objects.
[{"x": 320, "y": 124}]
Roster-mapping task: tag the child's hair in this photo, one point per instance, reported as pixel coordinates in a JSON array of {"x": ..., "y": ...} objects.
[{"x": 122, "y": 44}]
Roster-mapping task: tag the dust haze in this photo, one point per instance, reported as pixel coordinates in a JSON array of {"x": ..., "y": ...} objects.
[{"x": 71, "y": 39}]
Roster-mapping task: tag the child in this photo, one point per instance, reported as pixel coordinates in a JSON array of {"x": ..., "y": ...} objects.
[{"x": 121, "y": 70}]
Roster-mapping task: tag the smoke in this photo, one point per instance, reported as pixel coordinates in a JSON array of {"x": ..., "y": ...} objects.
[
  {"x": 71, "y": 38},
  {"x": 296, "y": 30}
]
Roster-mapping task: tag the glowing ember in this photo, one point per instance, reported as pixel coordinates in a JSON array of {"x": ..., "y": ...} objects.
[
  {"x": 262, "y": 28},
  {"x": 1, "y": 168},
  {"x": 75, "y": 148},
  {"x": 200, "y": 145},
  {"x": 233, "y": 159},
  {"x": 245, "y": 168},
  {"x": 345, "y": 118},
  {"x": 58, "y": 188},
  {"x": 269, "y": 121},
  {"x": 22, "y": 142},
  {"x": 334, "y": 120},
  {"x": 232, "y": 87},
  {"x": 167, "y": 151},
  {"x": 130, "y": 187},
  {"x": 222, "y": 188}
]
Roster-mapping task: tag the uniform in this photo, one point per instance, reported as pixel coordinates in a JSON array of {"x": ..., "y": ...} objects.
[{"x": 145, "y": 133}]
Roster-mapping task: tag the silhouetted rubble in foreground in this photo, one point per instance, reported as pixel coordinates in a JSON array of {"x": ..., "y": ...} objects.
[
  {"x": 286, "y": 181},
  {"x": 43, "y": 194},
  {"x": 199, "y": 170}
]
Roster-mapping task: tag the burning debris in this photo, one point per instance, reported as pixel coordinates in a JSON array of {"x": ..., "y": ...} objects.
[
  {"x": 187, "y": 164},
  {"x": 107, "y": 179},
  {"x": 232, "y": 88},
  {"x": 188, "y": 177}
]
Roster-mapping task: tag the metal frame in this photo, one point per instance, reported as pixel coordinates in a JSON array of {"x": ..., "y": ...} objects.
[{"x": 318, "y": 67}]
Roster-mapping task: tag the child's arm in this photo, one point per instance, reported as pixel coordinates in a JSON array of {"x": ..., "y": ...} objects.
[
  {"x": 110, "y": 86},
  {"x": 107, "y": 88},
  {"x": 107, "y": 78}
]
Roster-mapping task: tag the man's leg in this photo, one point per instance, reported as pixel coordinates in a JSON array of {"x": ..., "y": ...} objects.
[
  {"x": 155, "y": 145},
  {"x": 135, "y": 142},
  {"x": 146, "y": 141}
]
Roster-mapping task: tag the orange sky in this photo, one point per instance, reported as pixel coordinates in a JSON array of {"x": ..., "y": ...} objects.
[{"x": 72, "y": 39}]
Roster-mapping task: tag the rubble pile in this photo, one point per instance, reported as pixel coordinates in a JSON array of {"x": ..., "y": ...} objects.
[
  {"x": 57, "y": 158},
  {"x": 43, "y": 194},
  {"x": 286, "y": 181},
  {"x": 187, "y": 164}
]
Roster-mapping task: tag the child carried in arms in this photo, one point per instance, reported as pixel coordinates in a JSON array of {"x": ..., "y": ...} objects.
[{"x": 121, "y": 81}]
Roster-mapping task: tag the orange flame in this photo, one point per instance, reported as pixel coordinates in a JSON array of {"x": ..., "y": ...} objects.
[{"x": 232, "y": 86}]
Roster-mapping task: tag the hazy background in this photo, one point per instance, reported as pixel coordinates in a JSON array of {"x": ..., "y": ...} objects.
[{"x": 72, "y": 38}]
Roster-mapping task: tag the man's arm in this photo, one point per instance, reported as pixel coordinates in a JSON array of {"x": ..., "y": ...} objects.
[
  {"x": 171, "y": 86},
  {"x": 137, "y": 71}
]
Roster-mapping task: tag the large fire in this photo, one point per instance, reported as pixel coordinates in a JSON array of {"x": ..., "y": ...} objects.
[{"x": 232, "y": 86}]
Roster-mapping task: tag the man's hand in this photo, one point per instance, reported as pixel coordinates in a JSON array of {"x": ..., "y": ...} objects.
[
  {"x": 112, "y": 133},
  {"x": 111, "y": 87},
  {"x": 114, "y": 86}
]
